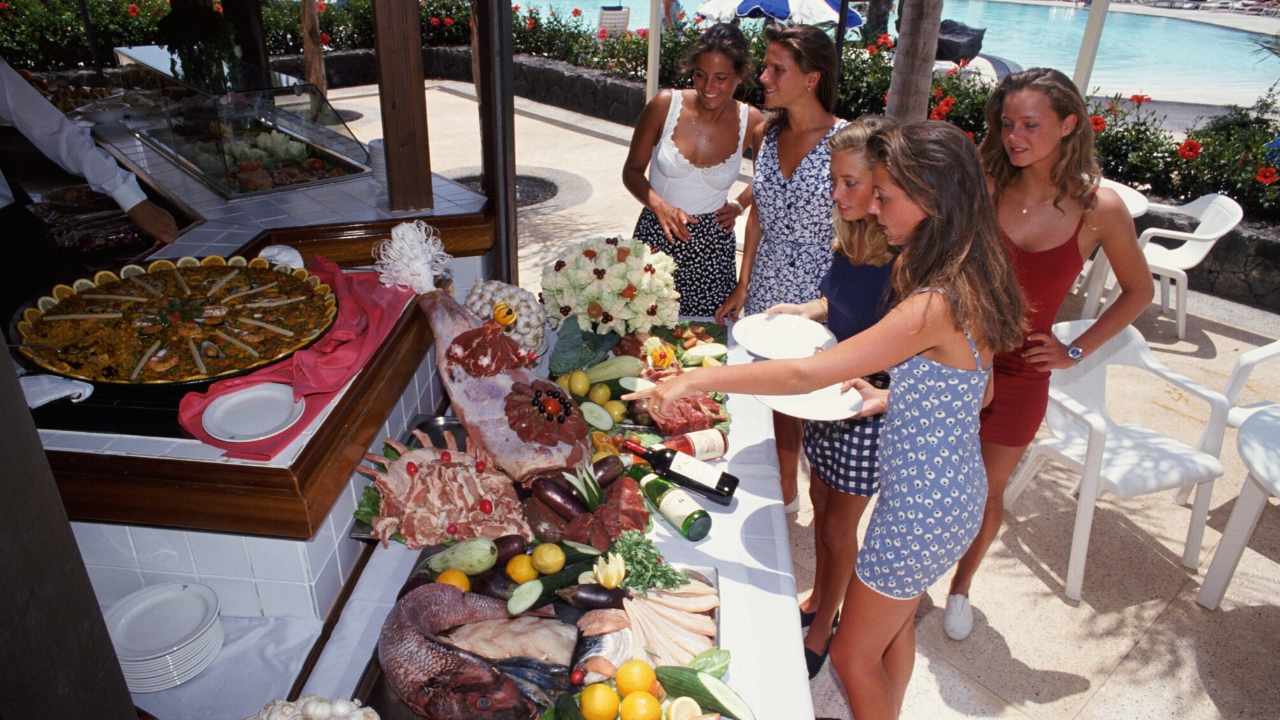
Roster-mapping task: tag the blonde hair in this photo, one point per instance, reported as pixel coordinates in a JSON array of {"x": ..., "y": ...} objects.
[
  {"x": 1076, "y": 173},
  {"x": 862, "y": 241},
  {"x": 956, "y": 247}
]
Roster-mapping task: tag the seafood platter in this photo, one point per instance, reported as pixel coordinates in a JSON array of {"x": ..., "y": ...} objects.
[
  {"x": 176, "y": 322},
  {"x": 539, "y": 593}
]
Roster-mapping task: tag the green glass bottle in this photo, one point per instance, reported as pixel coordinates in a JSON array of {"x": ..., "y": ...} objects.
[{"x": 679, "y": 509}]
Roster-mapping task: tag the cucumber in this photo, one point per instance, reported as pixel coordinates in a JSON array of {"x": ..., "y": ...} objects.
[
  {"x": 472, "y": 557},
  {"x": 634, "y": 384},
  {"x": 577, "y": 552},
  {"x": 711, "y": 694},
  {"x": 536, "y": 593},
  {"x": 695, "y": 354},
  {"x": 618, "y": 366},
  {"x": 596, "y": 416}
]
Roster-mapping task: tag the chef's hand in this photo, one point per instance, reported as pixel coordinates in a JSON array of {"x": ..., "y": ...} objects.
[
  {"x": 666, "y": 392},
  {"x": 807, "y": 310},
  {"x": 1049, "y": 353},
  {"x": 675, "y": 222},
  {"x": 155, "y": 221},
  {"x": 874, "y": 400},
  {"x": 728, "y": 214},
  {"x": 732, "y": 305}
]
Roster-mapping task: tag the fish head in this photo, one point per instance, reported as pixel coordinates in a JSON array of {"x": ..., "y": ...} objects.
[{"x": 468, "y": 693}]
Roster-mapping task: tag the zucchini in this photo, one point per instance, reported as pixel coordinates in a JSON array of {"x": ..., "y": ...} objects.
[
  {"x": 635, "y": 383},
  {"x": 567, "y": 708},
  {"x": 618, "y": 366},
  {"x": 596, "y": 416},
  {"x": 472, "y": 557},
  {"x": 534, "y": 594},
  {"x": 577, "y": 552},
  {"x": 711, "y": 694},
  {"x": 695, "y": 354}
]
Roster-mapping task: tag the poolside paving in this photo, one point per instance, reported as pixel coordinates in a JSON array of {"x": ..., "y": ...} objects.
[{"x": 1137, "y": 645}]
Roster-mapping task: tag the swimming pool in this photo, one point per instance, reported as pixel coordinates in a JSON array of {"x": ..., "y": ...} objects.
[{"x": 1166, "y": 58}]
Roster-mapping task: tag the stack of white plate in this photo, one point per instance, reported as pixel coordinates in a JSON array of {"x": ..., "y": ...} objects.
[{"x": 164, "y": 635}]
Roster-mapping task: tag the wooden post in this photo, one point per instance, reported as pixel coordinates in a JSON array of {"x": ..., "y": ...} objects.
[
  {"x": 494, "y": 75},
  {"x": 398, "y": 44},
  {"x": 913, "y": 60},
  {"x": 57, "y": 656},
  {"x": 842, "y": 29},
  {"x": 1089, "y": 45},
  {"x": 312, "y": 50},
  {"x": 655, "y": 48}
]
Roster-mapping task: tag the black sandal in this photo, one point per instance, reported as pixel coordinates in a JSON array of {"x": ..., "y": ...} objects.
[
  {"x": 806, "y": 619},
  {"x": 814, "y": 661}
]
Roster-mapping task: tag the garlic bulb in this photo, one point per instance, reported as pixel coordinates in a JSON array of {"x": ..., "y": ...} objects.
[
  {"x": 314, "y": 707},
  {"x": 529, "y": 323}
]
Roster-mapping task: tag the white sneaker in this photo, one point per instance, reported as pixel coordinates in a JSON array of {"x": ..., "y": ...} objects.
[{"x": 957, "y": 620}]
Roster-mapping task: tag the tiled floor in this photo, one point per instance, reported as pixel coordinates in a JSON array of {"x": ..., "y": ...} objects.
[{"x": 1137, "y": 646}]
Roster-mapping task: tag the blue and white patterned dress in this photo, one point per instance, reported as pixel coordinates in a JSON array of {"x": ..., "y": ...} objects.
[
  {"x": 796, "y": 233},
  {"x": 933, "y": 486}
]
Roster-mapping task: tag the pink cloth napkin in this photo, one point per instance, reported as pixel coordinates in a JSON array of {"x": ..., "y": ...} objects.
[{"x": 367, "y": 311}]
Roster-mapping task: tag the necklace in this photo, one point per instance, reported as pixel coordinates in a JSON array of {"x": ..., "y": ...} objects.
[{"x": 1028, "y": 208}]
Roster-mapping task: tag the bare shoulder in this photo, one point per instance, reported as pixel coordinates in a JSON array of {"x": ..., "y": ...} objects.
[
  {"x": 1109, "y": 208},
  {"x": 757, "y": 121}
]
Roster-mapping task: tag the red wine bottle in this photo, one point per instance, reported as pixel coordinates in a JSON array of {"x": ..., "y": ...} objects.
[{"x": 686, "y": 471}]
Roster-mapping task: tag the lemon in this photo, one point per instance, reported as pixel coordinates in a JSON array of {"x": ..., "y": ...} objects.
[
  {"x": 579, "y": 383},
  {"x": 520, "y": 569},
  {"x": 456, "y": 578},
  {"x": 616, "y": 409},
  {"x": 563, "y": 382},
  {"x": 599, "y": 702},
  {"x": 684, "y": 708},
  {"x": 548, "y": 558},
  {"x": 641, "y": 706},
  {"x": 634, "y": 676},
  {"x": 599, "y": 394}
]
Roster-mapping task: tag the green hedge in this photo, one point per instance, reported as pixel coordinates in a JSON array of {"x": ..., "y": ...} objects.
[{"x": 1237, "y": 154}]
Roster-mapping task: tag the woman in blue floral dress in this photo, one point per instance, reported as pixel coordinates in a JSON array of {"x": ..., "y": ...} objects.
[
  {"x": 787, "y": 250},
  {"x": 958, "y": 303}
]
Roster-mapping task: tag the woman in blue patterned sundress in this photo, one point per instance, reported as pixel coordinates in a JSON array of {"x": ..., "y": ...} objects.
[
  {"x": 958, "y": 303},
  {"x": 787, "y": 249}
]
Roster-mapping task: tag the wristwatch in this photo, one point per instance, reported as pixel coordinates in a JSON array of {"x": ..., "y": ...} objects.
[{"x": 1075, "y": 352}]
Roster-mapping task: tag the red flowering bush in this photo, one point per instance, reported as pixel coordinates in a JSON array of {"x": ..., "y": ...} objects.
[
  {"x": 1098, "y": 122},
  {"x": 577, "y": 12},
  {"x": 1189, "y": 149},
  {"x": 1267, "y": 175},
  {"x": 1139, "y": 100},
  {"x": 132, "y": 10}
]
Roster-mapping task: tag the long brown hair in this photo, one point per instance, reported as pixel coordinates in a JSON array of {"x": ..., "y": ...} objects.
[
  {"x": 862, "y": 241},
  {"x": 726, "y": 39},
  {"x": 1075, "y": 173},
  {"x": 813, "y": 51},
  {"x": 956, "y": 247}
]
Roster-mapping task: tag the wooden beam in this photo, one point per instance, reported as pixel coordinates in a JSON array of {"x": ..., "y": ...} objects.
[
  {"x": 913, "y": 60},
  {"x": 398, "y": 44},
  {"x": 497, "y": 133},
  {"x": 312, "y": 51}
]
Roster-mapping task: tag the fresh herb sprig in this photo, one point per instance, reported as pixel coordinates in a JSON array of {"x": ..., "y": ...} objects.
[{"x": 646, "y": 568}]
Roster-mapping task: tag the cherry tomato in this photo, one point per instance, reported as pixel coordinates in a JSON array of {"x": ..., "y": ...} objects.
[
  {"x": 486, "y": 506},
  {"x": 551, "y": 406},
  {"x": 480, "y": 466},
  {"x": 446, "y": 457},
  {"x": 413, "y": 469},
  {"x": 578, "y": 676},
  {"x": 452, "y": 529}
]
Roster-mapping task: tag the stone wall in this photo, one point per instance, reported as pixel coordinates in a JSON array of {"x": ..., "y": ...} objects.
[{"x": 1244, "y": 266}]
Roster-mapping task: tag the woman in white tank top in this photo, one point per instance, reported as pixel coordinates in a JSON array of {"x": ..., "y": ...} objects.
[{"x": 690, "y": 142}]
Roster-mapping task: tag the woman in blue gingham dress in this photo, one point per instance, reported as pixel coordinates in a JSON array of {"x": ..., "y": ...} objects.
[{"x": 934, "y": 482}]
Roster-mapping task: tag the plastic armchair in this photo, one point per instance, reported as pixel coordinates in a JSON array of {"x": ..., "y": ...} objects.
[
  {"x": 1125, "y": 460},
  {"x": 614, "y": 20},
  {"x": 1217, "y": 216}
]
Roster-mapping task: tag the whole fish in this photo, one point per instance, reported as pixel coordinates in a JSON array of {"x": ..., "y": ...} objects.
[
  {"x": 527, "y": 425},
  {"x": 435, "y": 680}
]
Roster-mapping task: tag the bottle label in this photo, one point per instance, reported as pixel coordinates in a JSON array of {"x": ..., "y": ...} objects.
[
  {"x": 696, "y": 470},
  {"x": 676, "y": 505},
  {"x": 707, "y": 444}
]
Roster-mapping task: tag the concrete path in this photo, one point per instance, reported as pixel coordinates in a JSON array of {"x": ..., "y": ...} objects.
[{"x": 1137, "y": 646}]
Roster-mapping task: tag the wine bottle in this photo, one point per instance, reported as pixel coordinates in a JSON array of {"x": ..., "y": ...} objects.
[
  {"x": 680, "y": 510},
  {"x": 709, "y": 444},
  {"x": 687, "y": 471}
]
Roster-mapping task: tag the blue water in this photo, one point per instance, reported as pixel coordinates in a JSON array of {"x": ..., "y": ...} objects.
[{"x": 1166, "y": 58}]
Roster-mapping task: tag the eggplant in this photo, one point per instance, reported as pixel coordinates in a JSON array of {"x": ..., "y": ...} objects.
[
  {"x": 494, "y": 583},
  {"x": 508, "y": 547},
  {"x": 593, "y": 596},
  {"x": 607, "y": 469},
  {"x": 560, "y": 499},
  {"x": 543, "y": 521}
]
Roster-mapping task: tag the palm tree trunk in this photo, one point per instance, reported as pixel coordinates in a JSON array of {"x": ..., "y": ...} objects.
[
  {"x": 312, "y": 51},
  {"x": 913, "y": 60},
  {"x": 877, "y": 19}
]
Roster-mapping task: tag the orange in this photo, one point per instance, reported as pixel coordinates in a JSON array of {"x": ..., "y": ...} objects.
[
  {"x": 634, "y": 676},
  {"x": 599, "y": 702},
  {"x": 520, "y": 569},
  {"x": 456, "y": 578},
  {"x": 641, "y": 706}
]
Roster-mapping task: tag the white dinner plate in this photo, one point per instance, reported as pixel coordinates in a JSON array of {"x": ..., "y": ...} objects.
[
  {"x": 176, "y": 660},
  {"x": 777, "y": 337},
  {"x": 161, "y": 619},
  {"x": 827, "y": 403},
  {"x": 254, "y": 413}
]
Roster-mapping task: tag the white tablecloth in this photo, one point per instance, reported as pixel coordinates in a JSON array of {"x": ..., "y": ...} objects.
[{"x": 748, "y": 545}]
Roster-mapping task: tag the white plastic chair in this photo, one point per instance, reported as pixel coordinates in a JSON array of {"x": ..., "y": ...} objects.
[
  {"x": 1125, "y": 460},
  {"x": 614, "y": 20},
  {"x": 1217, "y": 215}
]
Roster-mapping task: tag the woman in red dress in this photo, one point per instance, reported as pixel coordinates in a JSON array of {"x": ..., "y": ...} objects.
[{"x": 1052, "y": 214}]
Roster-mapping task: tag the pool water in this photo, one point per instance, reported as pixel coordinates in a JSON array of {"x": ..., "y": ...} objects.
[{"x": 1166, "y": 58}]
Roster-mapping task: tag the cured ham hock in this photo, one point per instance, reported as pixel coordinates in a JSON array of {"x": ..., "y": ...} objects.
[{"x": 528, "y": 426}]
